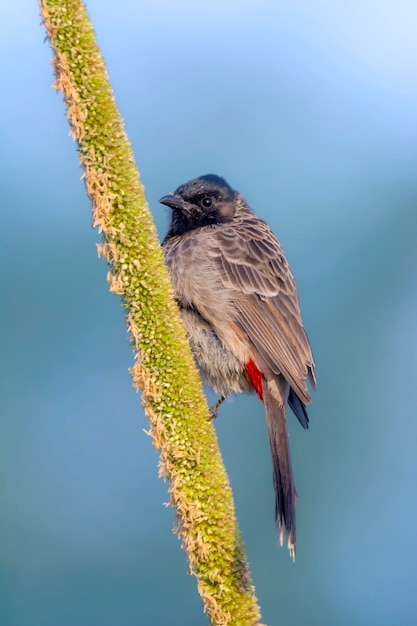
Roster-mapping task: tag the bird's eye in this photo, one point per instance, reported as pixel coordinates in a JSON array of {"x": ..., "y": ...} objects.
[{"x": 207, "y": 202}]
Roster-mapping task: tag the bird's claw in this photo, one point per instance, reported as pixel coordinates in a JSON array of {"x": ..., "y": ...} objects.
[{"x": 213, "y": 410}]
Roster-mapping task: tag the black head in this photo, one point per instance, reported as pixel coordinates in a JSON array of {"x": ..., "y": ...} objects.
[{"x": 203, "y": 201}]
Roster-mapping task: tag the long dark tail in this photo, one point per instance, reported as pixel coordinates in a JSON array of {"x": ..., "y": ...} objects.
[{"x": 285, "y": 493}]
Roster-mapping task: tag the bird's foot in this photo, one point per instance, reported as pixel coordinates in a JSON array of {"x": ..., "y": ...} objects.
[{"x": 213, "y": 410}]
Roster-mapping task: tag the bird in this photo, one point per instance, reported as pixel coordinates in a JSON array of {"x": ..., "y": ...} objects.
[{"x": 240, "y": 308}]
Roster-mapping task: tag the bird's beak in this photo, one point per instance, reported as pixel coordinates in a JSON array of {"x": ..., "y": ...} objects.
[{"x": 173, "y": 201}]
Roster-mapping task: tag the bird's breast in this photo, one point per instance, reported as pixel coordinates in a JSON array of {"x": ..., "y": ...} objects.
[{"x": 197, "y": 282}]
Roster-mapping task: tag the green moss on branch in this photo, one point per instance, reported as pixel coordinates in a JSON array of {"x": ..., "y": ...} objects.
[{"x": 164, "y": 369}]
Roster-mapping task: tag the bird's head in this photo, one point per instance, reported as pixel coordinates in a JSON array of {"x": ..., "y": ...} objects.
[{"x": 203, "y": 201}]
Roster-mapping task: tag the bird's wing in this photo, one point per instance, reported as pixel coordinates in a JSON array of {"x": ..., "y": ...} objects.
[{"x": 252, "y": 264}]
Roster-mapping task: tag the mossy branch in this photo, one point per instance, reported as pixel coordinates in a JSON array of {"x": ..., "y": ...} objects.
[{"x": 164, "y": 369}]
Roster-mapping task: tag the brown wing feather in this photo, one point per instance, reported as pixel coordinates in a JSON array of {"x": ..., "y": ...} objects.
[{"x": 253, "y": 265}]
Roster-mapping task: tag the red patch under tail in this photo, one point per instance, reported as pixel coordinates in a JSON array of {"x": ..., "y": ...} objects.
[{"x": 256, "y": 378}]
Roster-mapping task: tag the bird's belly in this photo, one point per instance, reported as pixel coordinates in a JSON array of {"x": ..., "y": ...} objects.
[{"x": 221, "y": 369}]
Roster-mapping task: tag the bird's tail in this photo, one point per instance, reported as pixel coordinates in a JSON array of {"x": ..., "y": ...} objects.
[{"x": 285, "y": 493}]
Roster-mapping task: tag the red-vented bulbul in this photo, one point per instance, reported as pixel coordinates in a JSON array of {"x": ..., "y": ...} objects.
[{"x": 240, "y": 308}]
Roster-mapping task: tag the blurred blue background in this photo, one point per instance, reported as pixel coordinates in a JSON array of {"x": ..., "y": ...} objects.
[{"x": 308, "y": 109}]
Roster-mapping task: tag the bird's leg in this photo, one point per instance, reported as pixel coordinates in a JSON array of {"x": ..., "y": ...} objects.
[{"x": 213, "y": 410}]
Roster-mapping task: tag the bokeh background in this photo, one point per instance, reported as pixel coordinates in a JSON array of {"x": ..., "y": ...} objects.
[{"x": 309, "y": 109}]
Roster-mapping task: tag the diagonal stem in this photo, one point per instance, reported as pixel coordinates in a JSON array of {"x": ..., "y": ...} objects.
[{"x": 164, "y": 369}]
